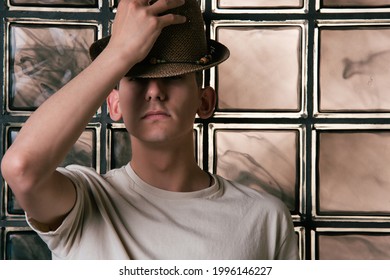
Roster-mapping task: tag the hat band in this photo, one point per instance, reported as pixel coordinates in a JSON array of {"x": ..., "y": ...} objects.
[{"x": 202, "y": 61}]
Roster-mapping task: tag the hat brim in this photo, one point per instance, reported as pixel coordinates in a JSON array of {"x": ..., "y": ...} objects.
[{"x": 144, "y": 69}]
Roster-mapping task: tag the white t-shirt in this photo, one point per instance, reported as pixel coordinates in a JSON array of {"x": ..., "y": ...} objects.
[{"x": 119, "y": 216}]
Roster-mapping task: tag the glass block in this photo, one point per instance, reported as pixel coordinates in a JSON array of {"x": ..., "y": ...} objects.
[
  {"x": 78, "y": 3},
  {"x": 354, "y": 246},
  {"x": 355, "y": 3},
  {"x": 26, "y": 245},
  {"x": 198, "y": 145},
  {"x": 13, "y": 207},
  {"x": 43, "y": 58},
  {"x": 354, "y": 69},
  {"x": 2, "y": 244},
  {"x": 353, "y": 175},
  {"x": 262, "y": 159},
  {"x": 84, "y": 152},
  {"x": 301, "y": 240},
  {"x": 263, "y": 72},
  {"x": 120, "y": 148},
  {"x": 259, "y": 3}
]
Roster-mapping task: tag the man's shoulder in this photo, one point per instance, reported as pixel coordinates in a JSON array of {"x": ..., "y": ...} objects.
[{"x": 256, "y": 196}]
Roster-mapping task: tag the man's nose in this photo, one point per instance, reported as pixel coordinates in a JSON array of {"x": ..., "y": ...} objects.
[{"x": 155, "y": 90}]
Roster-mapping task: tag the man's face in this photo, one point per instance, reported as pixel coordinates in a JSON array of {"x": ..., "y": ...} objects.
[{"x": 160, "y": 111}]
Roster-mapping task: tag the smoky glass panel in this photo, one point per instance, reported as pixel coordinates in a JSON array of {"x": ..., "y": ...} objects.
[
  {"x": 120, "y": 148},
  {"x": 354, "y": 69},
  {"x": 78, "y": 3},
  {"x": 353, "y": 173},
  {"x": 43, "y": 59},
  {"x": 264, "y": 160},
  {"x": 355, "y": 3},
  {"x": 26, "y": 245},
  {"x": 83, "y": 153},
  {"x": 260, "y": 3},
  {"x": 354, "y": 246},
  {"x": 263, "y": 71}
]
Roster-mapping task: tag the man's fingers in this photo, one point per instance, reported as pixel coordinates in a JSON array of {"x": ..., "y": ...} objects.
[
  {"x": 160, "y": 6},
  {"x": 172, "y": 19}
]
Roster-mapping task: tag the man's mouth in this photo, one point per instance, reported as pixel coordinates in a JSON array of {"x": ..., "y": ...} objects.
[{"x": 156, "y": 115}]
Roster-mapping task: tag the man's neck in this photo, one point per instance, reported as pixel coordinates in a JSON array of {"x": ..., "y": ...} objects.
[{"x": 171, "y": 167}]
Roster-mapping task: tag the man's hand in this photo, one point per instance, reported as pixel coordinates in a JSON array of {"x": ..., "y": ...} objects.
[{"x": 137, "y": 25}]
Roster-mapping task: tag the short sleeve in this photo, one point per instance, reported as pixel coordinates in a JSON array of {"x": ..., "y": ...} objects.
[{"x": 61, "y": 240}]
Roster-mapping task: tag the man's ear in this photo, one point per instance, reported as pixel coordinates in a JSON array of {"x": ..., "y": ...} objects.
[
  {"x": 207, "y": 102},
  {"x": 113, "y": 105}
]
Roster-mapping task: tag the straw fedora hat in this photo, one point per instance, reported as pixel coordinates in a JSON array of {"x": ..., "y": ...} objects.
[{"x": 180, "y": 49}]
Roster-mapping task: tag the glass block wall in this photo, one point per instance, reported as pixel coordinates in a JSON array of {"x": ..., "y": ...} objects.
[{"x": 303, "y": 110}]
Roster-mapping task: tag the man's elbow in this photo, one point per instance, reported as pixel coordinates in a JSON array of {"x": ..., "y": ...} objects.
[{"x": 19, "y": 174}]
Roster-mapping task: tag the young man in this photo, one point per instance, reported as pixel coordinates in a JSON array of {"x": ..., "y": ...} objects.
[{"x": 161, "y": 205}]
